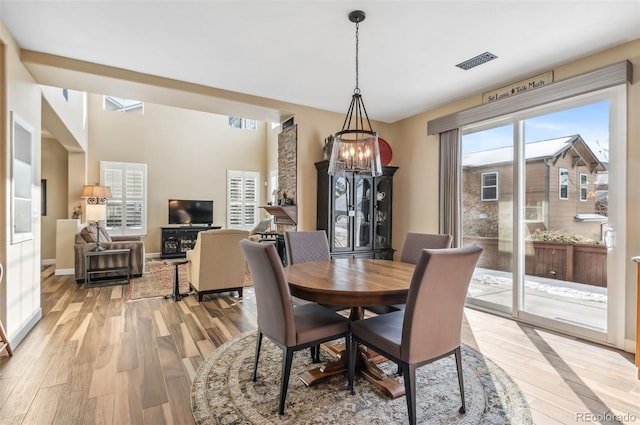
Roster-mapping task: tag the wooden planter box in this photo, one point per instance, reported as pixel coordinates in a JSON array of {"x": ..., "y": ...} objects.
[{"x": 571, "y": 262}]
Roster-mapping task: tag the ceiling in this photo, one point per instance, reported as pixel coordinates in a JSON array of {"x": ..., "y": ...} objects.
[{"x": 303, "y": 52}]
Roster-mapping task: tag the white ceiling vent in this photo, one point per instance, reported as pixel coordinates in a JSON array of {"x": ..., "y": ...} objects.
[{"x": 478, "y": 60}]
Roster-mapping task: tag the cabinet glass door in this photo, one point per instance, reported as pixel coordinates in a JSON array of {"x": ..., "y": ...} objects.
[
  {"x": 341, "y": 220},
  {"x": 363, "y": 212},
  {"x": 382, "y": 213}
]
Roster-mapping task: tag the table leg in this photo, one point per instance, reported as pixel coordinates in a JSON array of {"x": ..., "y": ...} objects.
[
  {"x": 176, "y": 295},
  {"x": 365, "y": 365}
]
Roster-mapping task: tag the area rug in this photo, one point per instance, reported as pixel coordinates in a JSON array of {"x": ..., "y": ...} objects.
[
  {"x": 223, "y": 393},
  {"x": 157, "y": 281}
]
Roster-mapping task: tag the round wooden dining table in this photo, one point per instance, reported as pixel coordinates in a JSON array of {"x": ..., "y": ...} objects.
[{"x": 354, "y": 283}]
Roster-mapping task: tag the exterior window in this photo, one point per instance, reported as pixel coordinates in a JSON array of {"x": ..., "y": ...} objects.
[
  {"x": 120, "y": 104},
  {"x": 244, "y": 123},
  {"x": 583, "y": 187},
  {"x": 242, "y": 199},
  {"x": 489, "y": 188},
  {"x": 563, "y": 189},
  {"x": 534, "y": 212},
  {"x": 127, "y": 209}
]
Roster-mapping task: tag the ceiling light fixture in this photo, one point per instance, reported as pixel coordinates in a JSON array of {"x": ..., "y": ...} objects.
[{"x": 356, "y": 150}]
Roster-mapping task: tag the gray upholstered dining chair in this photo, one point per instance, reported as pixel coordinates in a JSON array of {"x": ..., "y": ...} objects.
[
  {"x": 411, "y": 251},
  {"x": 306, "y": 246},
  {"x": 290, "y": 328},
  {"x": 309, "y": 245},
  {"x": 429, "y": 327},
  {"x": 416, "y": 242}
]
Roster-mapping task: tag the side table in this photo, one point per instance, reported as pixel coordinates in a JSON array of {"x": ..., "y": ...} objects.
[
  {"x": 176, "y": 295},
  {"x": 90, "y": 270}
]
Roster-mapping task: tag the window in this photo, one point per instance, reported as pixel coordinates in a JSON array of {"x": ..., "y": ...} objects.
[
  {"x": 534, "y": 212},
  {"x": 242, "y": 199},
  {"x": 127, "y": 209},
  {"x": 563, "y": 182},
  {"x": 584, "y": 186},
  {"x": 489, "y": 183},
  {"x": 120, "y": 104},
  {"x": 244, "y": 123}
]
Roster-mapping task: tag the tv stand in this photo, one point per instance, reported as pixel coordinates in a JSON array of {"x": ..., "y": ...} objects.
[{"x": 176, "y": 241}]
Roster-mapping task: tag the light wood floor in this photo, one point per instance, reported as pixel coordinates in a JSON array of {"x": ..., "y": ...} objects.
[{"x": 95, "y": 358}]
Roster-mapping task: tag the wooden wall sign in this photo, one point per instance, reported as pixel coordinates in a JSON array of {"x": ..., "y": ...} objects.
[{"x": 519, "y": 87}]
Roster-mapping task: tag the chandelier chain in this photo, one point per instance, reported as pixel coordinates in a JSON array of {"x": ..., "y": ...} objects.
[{"x": 357, "y": 89}]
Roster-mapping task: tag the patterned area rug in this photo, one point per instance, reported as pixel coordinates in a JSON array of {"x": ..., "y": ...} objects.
[
  {"x": 157, "y": 281},
  {"x": 223, "y": 393}
]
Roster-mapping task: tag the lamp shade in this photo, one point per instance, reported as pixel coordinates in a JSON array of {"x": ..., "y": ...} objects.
[
  {"x": 96, "y": 212},
  {"x": 96, "y": 191}
]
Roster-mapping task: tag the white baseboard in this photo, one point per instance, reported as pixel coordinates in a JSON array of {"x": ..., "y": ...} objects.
[
  {"x": 150, "y": 255},
  {"x": 29, "y": 324},
  {"x": 48, "y": 262},
  {"x": 64, "y": 272},
  {"x": 629, "y": 346}
]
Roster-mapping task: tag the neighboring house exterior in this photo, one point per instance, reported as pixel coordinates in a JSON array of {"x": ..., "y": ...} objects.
[{"x": 561, "y": 181}]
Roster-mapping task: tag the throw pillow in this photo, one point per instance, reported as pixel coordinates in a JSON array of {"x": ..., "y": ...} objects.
[{"x": 90, "y": 234}]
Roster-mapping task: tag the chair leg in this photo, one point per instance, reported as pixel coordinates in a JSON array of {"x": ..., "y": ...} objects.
[
  {"x": 257, "y": 356},
  {"x": 4, "y": 341},
  {"x": 351, "y": 359},
  {"x": 239, "y": 292},
  {"x": 409, "y": 372},
  {"x": 284, "y": 378},
  {"x": 458, "y": 352},
  {"x": 315, "y": 353},
  {"x": 348, "y": 343}
]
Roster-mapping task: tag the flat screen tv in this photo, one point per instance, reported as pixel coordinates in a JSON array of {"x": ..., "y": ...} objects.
[{"x": 190, "y": 211}]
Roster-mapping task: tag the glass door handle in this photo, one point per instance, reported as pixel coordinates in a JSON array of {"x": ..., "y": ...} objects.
[{"x": 609, "y": 237}]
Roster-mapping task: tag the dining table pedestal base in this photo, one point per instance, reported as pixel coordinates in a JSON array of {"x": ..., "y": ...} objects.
[{"x": 366, "y": 364}]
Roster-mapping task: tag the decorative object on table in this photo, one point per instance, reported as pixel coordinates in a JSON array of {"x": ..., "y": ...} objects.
[
  {"x": 222, "y": 392},
  {"x": 77, "y": 212},
  {"x": 355, "y": 149},
  {"x": 96, "y": 206},
  {"x": 385, "y": 151},
  {"x": 327, "y": 148}
]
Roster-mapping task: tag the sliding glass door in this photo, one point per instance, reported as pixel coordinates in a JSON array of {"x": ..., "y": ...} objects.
[{"x": 540, "y": 191}]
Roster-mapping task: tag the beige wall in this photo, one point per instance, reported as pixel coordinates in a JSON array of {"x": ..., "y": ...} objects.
[
  {"x": 416, "y": 153},
  {"x": 187, "y": 154},
  {"x": 416, "y": 188},
  {"x": 68, "y": 120},
  {"x": 20, "y": 288},
  {"x": 54, "y": 171}
]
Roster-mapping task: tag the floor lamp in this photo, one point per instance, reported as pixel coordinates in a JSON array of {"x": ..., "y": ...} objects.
[{"x": 96, "y": 207}]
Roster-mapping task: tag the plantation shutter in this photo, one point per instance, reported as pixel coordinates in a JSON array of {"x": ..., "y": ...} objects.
[
  {"x": 242, "y": 199},
  {"x": 126, "y": 210}
]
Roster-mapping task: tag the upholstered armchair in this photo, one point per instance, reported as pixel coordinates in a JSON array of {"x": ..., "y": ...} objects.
[
  {"x": 216, "y": 263},
  {"x": 86, "y": 241}
]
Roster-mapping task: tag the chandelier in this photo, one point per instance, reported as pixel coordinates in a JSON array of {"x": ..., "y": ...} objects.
[{"x": 355, "y": 147}]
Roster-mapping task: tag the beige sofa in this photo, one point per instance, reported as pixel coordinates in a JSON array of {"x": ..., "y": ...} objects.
[
  {"x": 86, "y": 241},
  {"x": 216, "y": 263}
]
